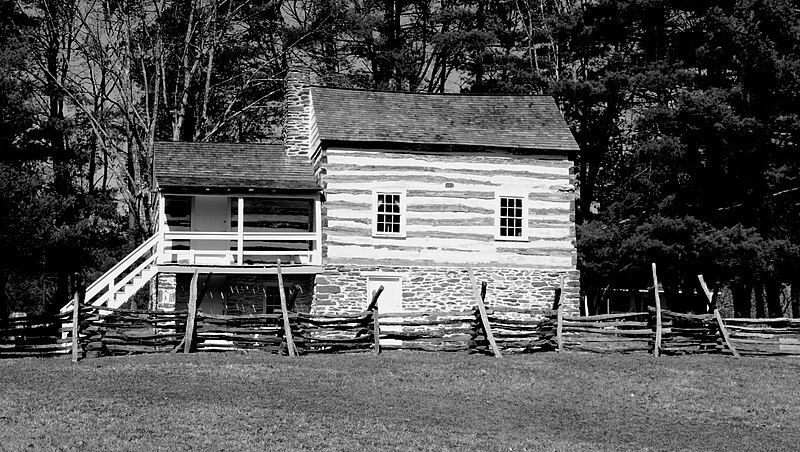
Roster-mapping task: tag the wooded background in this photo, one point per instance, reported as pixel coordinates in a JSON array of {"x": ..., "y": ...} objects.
[{"x": 687, "y": 114}]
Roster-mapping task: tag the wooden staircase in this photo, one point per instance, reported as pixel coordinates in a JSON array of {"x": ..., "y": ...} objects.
[{"x": 122, "y": 281}]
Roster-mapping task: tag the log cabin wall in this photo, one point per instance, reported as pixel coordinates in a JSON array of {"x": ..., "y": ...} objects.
[{"x": 451, "y": 205}]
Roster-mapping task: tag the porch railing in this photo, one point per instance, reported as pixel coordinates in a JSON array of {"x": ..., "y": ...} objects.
[{"x": 233, "y": 248}]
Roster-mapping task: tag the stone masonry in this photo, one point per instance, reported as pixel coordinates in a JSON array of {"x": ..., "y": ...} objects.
[
  {"x": 342, "y": 288},
  {"x": 165, "y": 292},
  {"x": 297, "y": 120}
]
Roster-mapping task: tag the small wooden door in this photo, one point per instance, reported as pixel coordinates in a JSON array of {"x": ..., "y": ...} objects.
[
  {"x": 391, "y": 299},
  {"x": 211, "y": 214}
]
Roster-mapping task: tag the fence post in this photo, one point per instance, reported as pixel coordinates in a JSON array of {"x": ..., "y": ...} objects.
[
  {"x": 188, "y": 337},
  {"x": 657, "y": 345},
  {"x": 77, "y": 301},
  {"x": 487, "y": 329},
  {"x": 373, "y": 307},
  {"x": 287, "y": 328},
  {"x": 560, "y": 317},
  {"x": 720, "y": 324},
  {"x": 376, "y": 329}
]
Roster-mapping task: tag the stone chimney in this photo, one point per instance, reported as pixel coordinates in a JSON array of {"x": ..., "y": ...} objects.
[{"x": 297, "y": 124}]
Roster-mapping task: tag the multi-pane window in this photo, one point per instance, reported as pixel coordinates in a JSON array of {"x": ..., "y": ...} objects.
[
  {"x": 511, "y": 217},
  {"x": 389, "y": 214}
]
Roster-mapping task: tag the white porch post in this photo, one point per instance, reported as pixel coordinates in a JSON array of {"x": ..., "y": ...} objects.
[
  {"x": 318, "y": 229},
  {"x": 240, "y": 232},
  {"x": 162, "y": 228}
]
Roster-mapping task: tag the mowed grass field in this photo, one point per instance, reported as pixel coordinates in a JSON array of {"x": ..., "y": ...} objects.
[{"x": 400, "y": 401}]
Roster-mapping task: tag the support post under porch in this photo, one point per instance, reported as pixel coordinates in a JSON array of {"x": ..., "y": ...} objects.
[
  {"x": 317, "y": 258},
  {"x": 240, "y": 231},
  {"x": 166, "y": 292}
]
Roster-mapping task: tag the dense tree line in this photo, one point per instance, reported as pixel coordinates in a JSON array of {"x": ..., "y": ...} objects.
[{"x": 686, "y": 113}]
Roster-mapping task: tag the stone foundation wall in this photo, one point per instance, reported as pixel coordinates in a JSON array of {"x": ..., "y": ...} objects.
[{"x": 342, "y": 289}]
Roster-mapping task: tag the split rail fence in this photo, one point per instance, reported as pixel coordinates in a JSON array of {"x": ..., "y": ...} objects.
[{"x": 87, "y": 331}]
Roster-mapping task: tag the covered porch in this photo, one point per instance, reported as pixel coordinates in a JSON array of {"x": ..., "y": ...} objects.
[
  {"x": 221, "y": 230},
  {"x": 236, "y": 208}
]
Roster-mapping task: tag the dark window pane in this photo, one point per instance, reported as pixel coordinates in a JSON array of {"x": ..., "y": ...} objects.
[
  {"x": 268, "y": 214},
  {"x": 178, "y": 210}
]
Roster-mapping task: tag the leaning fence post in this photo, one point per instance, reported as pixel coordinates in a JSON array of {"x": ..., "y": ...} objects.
[
  {"x": 487, "y": 329},
  {"x": 188, "y": 336},
  {"x": 77, "y": 301},
  {"x": 287, "y": 328},
  {"x": 720, "y": 324},
  {"x": 657, "y": 345}
]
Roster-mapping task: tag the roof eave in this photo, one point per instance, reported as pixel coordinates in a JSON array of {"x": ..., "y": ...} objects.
[
  {"x": 215, "y": 189},
  {"x": 421, "y": 147}
]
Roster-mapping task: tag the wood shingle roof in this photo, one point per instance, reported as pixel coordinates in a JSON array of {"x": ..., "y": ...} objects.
[
  {"x": 489, "y": 121},
  {"x": 258, "y": 166}
]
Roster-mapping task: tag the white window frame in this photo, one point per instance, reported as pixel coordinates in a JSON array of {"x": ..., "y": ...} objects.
[
  {"x": 374, "y": 212},
  {"x": 511, "y": 194}
]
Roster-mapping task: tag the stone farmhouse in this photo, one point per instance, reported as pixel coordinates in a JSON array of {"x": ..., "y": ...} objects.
[{"x": 368, "y": 188}]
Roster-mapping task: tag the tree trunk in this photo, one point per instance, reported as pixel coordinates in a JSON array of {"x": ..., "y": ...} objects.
[
  {"x": 4, "y": 309},
  {"x": 773, "y": 298},
  {"x": 760, "y": 301},
  {"x": 92, "y": 164},
  {"x": 742, "y": 299},
  {"x": 725, "y": 301},
  {"x": 480, "y": 20}
]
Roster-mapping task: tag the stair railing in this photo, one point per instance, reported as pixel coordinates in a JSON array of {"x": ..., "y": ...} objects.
[{"x": 110, "y": 283}]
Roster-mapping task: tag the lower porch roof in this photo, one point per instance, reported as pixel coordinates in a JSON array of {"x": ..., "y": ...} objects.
[{"x": 219, "y": 167}]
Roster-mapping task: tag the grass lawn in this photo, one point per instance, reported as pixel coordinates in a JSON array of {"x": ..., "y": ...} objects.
[{"x": 401, "y": 400}]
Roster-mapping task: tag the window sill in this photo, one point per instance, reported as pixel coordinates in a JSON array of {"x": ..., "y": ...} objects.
[
  {"x": 389, "y": 236},
  {"x": 511, "y": 239}
]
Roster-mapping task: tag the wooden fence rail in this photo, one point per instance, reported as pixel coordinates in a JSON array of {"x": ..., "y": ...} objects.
[
  {"x": 86, "y": 330},
  {"x": 447, "y": 331},
  {"x": 518, "y": 330},
  {"x": 36, "y": 336},
  {"x": 104, "y": 331},
  {"x": 609, "y": 333}
]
